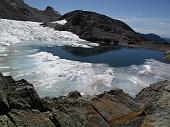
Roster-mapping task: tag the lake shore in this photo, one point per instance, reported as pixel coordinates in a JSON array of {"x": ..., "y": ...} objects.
[{"x": 154, "y": 46}]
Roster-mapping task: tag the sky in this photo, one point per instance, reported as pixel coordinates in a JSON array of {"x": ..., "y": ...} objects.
[{"x": 145, "y": 16}]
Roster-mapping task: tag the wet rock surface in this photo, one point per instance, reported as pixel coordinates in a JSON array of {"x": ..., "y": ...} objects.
[
  {"x": 21, "y": 106},
  {"x": 18, "y": 10},
  {"x": 96, "y": 27}
]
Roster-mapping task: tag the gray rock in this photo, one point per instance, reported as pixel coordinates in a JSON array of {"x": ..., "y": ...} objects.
[
  {"x": 4, "y": 106},
  {"x": 24, "y": 96},
  {"x": 157, "y": 103},
  {"x": 17, "y": 95},
  {"x": 6, "y": 122},
  {"x": 30, "y": 118},
  {"x": 74, "y": 95}
]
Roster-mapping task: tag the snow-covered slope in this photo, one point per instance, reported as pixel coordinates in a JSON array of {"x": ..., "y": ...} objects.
[
  {"x": 12, "y": 31},
  {"x": 60, "y": 22}
]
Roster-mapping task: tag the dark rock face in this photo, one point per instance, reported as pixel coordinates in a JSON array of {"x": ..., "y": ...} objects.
[
  {"x": 17, "y": 95},
  {"x": 23, "y": 107},
  {"x": 74, "y": 94},
  {"x": 18, "y": 10},
  {"x": 96, "y": 27}
]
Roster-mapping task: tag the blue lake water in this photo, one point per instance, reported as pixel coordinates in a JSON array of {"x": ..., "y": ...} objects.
[{"x": 114, "y": 56}]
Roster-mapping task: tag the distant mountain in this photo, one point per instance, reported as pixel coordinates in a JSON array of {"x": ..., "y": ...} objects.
[
  {"x": 96, "y": 27},
  {"x": 167, "y": 40},
  {"x": 18, "y": 10},
  {"x": 153, "y": 37}
]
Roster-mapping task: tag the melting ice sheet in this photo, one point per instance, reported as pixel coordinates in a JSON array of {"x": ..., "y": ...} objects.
[{"x": 53, "y": 76}]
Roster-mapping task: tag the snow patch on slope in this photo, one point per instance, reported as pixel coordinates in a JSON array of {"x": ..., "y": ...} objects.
[
  {"x": 60, "y": 22},
  {"x": 12, "y": 32}
]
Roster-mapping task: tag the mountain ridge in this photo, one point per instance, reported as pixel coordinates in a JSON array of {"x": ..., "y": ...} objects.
[
  {"x": 153, "y": 37},
  {"x": 18, "y": 10},
  {"x": 95, "y": 27}
]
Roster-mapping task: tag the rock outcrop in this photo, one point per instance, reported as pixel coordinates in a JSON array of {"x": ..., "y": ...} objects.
[
  {"x": 96, "y": 27},
  {"x": 21, "y": 106},
  {"x": 156, "y": 99},
  {"x": 18, "y": 10}
]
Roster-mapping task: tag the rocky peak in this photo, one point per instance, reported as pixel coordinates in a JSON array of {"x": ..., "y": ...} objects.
[
  {"x": 51, "y": 10},
  {"x": 18, "y": 10}
]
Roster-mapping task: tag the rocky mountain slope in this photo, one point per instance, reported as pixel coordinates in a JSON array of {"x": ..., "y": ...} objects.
[
  {"x": 18, "y": 10},
  {"x": 21, "y": 106},
  {"x": 96, "y": 27},
  {"x": 87, "y": 25},
  {"x": 167, "y": 40}
]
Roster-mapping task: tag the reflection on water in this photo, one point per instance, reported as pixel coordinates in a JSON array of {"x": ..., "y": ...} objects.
[
  {"x": 84, "y": 52},
  {"x": 115, "y": 56}
]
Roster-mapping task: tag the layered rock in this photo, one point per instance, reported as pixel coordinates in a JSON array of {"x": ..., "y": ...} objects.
[
  {"x": 23, "y": 107},
  {"x": 96, "y": 27},
  {"x": 18, "y": 10}
]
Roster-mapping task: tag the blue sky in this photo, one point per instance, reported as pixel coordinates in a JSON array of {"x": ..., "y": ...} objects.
[{"x": 146, "y": 16}]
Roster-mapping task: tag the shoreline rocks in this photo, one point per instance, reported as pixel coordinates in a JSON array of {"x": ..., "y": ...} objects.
[{"x": 21, "y": 106}]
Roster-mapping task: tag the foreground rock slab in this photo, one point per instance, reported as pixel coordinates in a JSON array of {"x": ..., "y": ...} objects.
[
  {"x": 20, "y": 106},
  {"x": 156, "y": 99}
]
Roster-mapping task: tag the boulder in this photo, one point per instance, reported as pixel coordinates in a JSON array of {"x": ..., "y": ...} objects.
[{"x": 74, "y": 95}]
